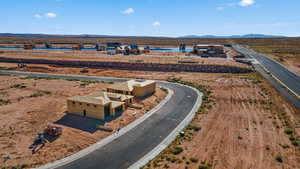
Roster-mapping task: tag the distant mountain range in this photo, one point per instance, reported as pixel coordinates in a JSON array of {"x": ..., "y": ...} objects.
[
  {"x": 234, "y": 36},
  {"x": 24, "y": 35}
]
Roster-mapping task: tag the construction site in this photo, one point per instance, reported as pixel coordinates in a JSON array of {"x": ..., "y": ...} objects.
[
  {"x": 70, "y": 115},
  {"x": 49, "y": 129}
]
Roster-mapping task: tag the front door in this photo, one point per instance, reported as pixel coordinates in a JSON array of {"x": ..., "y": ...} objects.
[{"x": 84, "y": 113}]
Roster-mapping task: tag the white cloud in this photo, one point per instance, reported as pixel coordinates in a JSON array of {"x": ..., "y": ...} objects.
[
  {"x": 246, "y": 2},
  {"x": 220, "y": 8},
  {"x": 156, "y": 23},
  {"x": 51, "y": 15},
  {"x": 128, "y": 11},
  {"x": 38, "y": 16}
]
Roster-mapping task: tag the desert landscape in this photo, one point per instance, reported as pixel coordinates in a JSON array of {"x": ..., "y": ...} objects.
[
  {"x": 243, "y": 122},
  {"x": 29, "y": 104},
  {"x": 150, "y": 84}
]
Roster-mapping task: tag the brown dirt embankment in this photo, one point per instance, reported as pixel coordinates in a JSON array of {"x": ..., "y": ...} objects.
[{"x": 165, "y": 67}]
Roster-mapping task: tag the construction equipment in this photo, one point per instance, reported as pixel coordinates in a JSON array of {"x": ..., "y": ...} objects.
[
  {"x": 53, "y": 131},
  {"x": 39, "y": 142}
]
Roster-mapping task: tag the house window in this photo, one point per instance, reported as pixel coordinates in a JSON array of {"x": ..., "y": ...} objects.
[
  {"x": 87, "y": 104},
  {"x": 73, "y": 102},
  {"x": 95, "y": 106},
  {"x": 80, "y": 103}
]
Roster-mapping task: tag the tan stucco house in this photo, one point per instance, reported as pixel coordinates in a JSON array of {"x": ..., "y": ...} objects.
[
  {"x": 101, "y": 105},
  {"x": 98, "y": 105},
  {"x": 136, "y": 88}
]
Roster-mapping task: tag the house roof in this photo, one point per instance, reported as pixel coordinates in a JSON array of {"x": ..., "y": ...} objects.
[
  {"x": 101, "y": 98},
  {"x": 128, "y": 85},
  {"x": 115, "y": 104},
  {"x": 92, "y": 100},
  {"x": 110, "y": 96}
]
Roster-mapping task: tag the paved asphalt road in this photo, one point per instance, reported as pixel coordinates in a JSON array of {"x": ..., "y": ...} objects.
[
  {"x": 130, "y": 147},
  {"x": 290, "y": 79}
]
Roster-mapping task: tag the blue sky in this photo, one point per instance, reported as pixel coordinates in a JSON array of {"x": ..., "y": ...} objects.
[{"x": 151, "y": 17}]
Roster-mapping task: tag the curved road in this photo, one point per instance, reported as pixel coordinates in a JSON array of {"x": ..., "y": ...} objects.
[{"x": 137, "y": 142}]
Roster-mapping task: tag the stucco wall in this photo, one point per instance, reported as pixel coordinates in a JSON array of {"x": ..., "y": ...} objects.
[
  {"x": 144, "y": 91},
  {"x": 91, "y": 111}
]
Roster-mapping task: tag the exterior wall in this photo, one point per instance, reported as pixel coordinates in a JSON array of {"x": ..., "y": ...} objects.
[
  {"x": 113, "y": 110},
  {"x": 144, "y": 91},
  {"x": 91, "y": 111},
  {"x": 128, "y": 101},
  {"x": 119, "y": 91}
]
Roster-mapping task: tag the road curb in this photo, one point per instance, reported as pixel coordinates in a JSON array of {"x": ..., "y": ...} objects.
[{"x": 171, "y": 137}]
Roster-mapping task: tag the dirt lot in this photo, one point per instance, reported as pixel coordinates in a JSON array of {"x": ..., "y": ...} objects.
[
  {"x": 97, "y": 72},
  {"x": 28, "y": 105},
  {"x": 244, "y": 123},
  {"x": 147, "y": 58}
]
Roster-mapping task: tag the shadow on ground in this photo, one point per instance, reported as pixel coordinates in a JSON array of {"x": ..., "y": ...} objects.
[{"x": 85, "y": 123}]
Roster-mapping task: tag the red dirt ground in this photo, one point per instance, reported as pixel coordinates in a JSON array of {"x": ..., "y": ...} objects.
[
  {"x": 28, "y": 114},
  {"x": 243, "y": 122}
]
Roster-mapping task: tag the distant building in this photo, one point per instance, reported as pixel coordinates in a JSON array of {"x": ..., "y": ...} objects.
[
  {"x": 209, "y": 50},
  {"x": 136, "y": 88},
  {"x": 113, "y": 45}
]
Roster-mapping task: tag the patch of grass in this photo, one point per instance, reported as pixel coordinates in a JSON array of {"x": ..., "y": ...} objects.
[
  {"x": 295, "y": 143},
  {"x": 194, "y": 128},
  {"x": 292, "y": 138},
  {"x": 255, "y": 79},
  {"x": 15, "y": 167},
  {"x": 177, "y": 150},
  {"x": 288, "y": 131},
  {"x": 40, "y": 94},
  {"x": 6, "y": 68},
  {"x": 4, "y": 102},
  {"x": 87, "y": 82},
  {"x": 279, "y": 159},
  {"x": 194, "y": 160},
  {"x": 18, "y": 86},
  {"x": 36, "y": 95},
  {"x": 84, "y": 70},
  {"x": 204, "y": 167},
  {"x": 40, "y": 78},
  {"x": 72, "y": 80}
]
